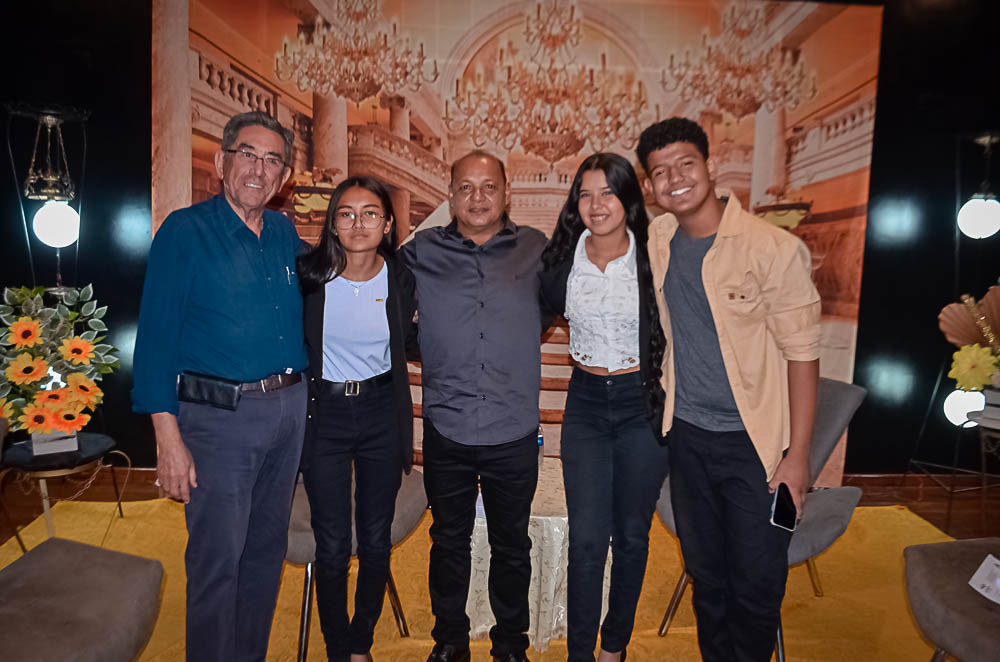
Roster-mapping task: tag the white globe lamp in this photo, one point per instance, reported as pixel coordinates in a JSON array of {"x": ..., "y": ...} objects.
[
  {"x": 980, "y": 216},
  {"x": 56, "y": 224},
  {"x": 959, "y": 404}
]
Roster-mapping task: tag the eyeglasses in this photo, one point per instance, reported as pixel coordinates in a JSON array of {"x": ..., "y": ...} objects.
[
  {"x": 345, "y": 218},
  {"x": 272, "y": 163}
]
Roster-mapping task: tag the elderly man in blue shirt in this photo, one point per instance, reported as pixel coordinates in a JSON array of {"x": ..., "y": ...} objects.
[{"x": 218, "y": 364}]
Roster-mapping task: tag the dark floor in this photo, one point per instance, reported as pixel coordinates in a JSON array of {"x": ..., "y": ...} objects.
[{"x": 968, "y": 518}]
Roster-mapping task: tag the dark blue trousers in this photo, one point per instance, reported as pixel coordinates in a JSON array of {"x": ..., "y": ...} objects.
[
  {"x": 613, "y": 468},
  {"x": 237, "y": 521},
  {"x": 361, "y": 431},
  {"x": 738, "y": 561}
]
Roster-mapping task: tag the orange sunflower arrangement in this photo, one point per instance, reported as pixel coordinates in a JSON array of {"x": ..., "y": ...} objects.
[{"x": 52, "y": 354}]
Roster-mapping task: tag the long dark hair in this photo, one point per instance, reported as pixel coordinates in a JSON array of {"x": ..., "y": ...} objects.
[
  {"x": 327, "y": 259},
  {"x": 622, "y": 181}
]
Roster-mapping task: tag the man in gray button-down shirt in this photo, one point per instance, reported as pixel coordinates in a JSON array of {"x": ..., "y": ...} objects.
[{"x": 479, "y": 335}]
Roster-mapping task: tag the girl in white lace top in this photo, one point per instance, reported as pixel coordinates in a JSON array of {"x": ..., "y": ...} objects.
[{"x": 597, "y": 275}]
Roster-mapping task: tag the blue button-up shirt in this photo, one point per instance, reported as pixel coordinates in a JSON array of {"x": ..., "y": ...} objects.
[
  {"x": 479, "y": 331},
  {"x": 217, "y": 300}
]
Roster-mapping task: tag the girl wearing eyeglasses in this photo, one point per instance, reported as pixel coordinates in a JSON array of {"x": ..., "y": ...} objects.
[{"x": 358, "y": 308}]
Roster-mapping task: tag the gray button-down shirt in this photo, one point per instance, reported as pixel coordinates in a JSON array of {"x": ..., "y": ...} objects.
[{"x": 479, "y": 331}]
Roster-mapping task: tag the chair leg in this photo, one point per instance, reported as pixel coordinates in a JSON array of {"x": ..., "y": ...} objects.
[
  {"x": 397, "y": 606},
  {"x": 675, "y": 600},
  {"x": 6, "y": 513},
  {"x": 814, "y": 577},
  {"x": 307, "y": 591},
  {"x": 118, "y": 497},
  {"x": 940, "y": 655},
  {"x": 780, "y": 644}
]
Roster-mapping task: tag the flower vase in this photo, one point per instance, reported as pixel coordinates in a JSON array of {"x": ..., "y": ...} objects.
[{"x": 56, "y": 442}]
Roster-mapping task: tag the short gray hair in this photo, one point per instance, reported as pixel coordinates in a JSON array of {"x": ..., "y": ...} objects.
[{"x": 256, "y": 118}]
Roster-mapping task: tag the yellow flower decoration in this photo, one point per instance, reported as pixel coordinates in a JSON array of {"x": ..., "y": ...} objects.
[
  {"x": 77, "y": 351},
  {"x": 37, "y": 419},
  {"x": 69, "y": 419},
  {"x": 6, "y": 409},
  {"x": 82, "y": 390},
  {"x": 52, "y": 399},
  {"x": 26, "y": 369},
  {"x": 972, "y": 366},
  {"x": 25, "y": 332}
]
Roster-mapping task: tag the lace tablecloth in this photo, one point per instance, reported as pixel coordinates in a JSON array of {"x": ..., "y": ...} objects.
[{"x": 549, "y": 532}]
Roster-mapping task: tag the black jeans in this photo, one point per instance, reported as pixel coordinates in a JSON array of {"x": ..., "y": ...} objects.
[
  {"x": 613, "y": 469},
  {"x": 738, "y": 561},
  {"x": 237, "y": 519},
  {"x": 359, "y": 430},
  {"x": 507, "y": 474}
]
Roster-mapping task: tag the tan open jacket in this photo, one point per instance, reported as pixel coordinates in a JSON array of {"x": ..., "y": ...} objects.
[{"x": 766, "y": 311}]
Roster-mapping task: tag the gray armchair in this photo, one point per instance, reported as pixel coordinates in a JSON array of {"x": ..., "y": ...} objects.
[
  {"x": 960, "y": 622},
  {"x": 826, "y": 513}
]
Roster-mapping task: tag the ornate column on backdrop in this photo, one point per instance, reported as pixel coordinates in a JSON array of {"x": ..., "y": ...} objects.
[
  {"x": 329, "y": 137},
  {"x": 399, "y": 126},
  {"x": 770, "y": 155},
  {"x": 171, "y": 109}
]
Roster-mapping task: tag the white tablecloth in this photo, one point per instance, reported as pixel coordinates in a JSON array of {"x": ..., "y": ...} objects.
[{"x": 549, "y": 533}]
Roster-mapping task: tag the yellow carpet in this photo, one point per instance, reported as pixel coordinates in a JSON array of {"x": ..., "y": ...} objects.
[{"x": 862, "y": 618}]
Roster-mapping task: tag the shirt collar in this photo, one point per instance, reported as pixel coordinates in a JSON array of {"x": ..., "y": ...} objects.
[
  {"x": 507, "y": 227},
  {"x": 733, "y": 217},
  {"x": 231, "y": 222},
  {"x": 626, "y": 261}
]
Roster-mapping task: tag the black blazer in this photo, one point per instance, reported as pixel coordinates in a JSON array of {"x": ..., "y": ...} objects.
[
  {"x": 399, "y": 308},
  {"x": 553, "y": 294}
]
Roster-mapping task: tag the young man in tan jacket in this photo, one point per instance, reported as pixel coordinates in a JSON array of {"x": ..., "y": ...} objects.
[{"x": 740, "y": 372}]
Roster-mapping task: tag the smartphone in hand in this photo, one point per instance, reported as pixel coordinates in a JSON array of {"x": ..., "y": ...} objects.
[{"x": 783, "y": 513}]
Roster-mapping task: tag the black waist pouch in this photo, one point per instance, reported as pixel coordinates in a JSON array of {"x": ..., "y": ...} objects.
[{"x": 208, "y": 390}]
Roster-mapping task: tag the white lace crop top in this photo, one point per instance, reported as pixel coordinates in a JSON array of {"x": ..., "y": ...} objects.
[{"x": 603, "y": 309}]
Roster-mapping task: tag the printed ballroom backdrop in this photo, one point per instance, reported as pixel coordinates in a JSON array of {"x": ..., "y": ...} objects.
[{"x": 398, "y": 89}]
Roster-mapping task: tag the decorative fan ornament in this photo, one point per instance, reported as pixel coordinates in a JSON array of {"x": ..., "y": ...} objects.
[{"x": 971, "y": 322}]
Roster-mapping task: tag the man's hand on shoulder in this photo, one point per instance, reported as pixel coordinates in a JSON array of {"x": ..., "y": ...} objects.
[
  {"x": 793, "y": 470},
  {"x": 174, "y": 464}
]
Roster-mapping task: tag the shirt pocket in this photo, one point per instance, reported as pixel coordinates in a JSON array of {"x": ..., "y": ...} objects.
[{"x": 742, "y": 298}]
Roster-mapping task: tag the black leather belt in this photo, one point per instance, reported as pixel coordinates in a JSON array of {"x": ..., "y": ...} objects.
[
  {"x": 273, "y": 383},
  {"x": 352, "y": 388}
]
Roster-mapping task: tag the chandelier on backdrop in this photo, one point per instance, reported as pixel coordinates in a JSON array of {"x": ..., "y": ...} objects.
[
  {"x": 356, "y": 58},
  {"x": 545, "y": 102},
  {"x": 735, "y": 73}
]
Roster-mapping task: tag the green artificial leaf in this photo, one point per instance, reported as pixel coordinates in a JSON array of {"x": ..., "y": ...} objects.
[
  {"x": 99, "y": 313},
  {"x": 18, "y": 403},
  {"x": 105, "y": 370},
  {"x": 6, "y": 320},
  {"x": 28, "y": 307},
  {"x": 4, "y": 389},
  {"x": 88, "y": 309},
  {"x": 102, "y": 349},
  {"x": 97, "y": 325},
  {"x": 73, "y": 315},
  {"x": 70, "y": 297},
  {"x": 62, "y": 311},
  {"x": 9, "y": 297},
  {"x": 45, "y": 315},
  {"x": 87, "y": 293},
  {"x": 6, "y": 310},
  {"x": 89, "y": 335}
]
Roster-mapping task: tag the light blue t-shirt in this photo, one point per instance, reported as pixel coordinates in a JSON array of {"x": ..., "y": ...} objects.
[{"x": 355, "y": 329}]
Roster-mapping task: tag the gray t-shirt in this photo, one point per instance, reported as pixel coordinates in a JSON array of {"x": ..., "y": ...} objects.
[{"x": 703, "y": 395}]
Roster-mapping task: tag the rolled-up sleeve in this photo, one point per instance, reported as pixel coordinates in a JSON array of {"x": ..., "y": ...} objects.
[
  {"x": 793, "y": 316},
  {"x": 157, "y": 344}
]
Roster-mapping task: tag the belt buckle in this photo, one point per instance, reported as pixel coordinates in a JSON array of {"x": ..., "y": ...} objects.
[
  {"x": 352, "y": 388},
  {"x": 263, "y": 385}
]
